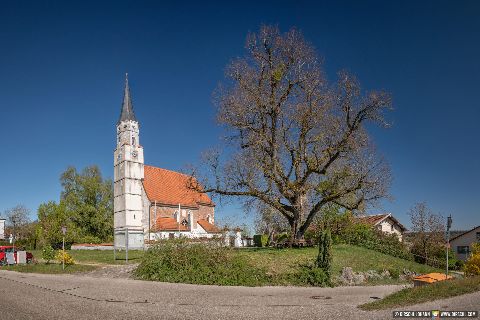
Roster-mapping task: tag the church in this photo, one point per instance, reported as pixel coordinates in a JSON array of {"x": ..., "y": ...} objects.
[{"x": 152, "y": 203}]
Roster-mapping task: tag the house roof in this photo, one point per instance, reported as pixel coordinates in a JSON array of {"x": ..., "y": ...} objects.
[
  {"x": 207, "y": 226},
  {"x": 171, "y": 188},
  {"x": 378, "y": 218},
  {"x": 458, "y": 236},
  {"x": 169, "y": 224},
  {"x": 373, "y": 219}
]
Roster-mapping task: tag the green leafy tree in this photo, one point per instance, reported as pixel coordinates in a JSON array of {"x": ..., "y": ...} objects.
[
  {"x": 88, "y": 200},
  {"x": 85, "y": 208}
]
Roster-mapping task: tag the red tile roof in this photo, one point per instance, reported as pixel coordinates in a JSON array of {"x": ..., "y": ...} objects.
[
  {"x": 169, "y": 224},
  {"x": 377, "y": 218},
  {"x": 170, "y": 187},
  {"x": 207, "y": 226},
  {"x": 372, "y": 220}
]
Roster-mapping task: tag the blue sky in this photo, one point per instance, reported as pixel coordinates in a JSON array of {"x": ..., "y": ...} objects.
[{"x": 62, "y": 69}]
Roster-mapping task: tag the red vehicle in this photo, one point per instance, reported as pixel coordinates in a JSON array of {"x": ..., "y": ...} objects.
[{"x": 7, "y": 249}]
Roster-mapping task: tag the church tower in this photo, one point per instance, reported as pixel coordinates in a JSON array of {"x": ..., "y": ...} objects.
[{"x": 128, "y": 176}]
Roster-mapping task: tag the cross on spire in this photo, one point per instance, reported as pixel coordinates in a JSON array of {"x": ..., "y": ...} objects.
[{"x": 127, "y": 106}]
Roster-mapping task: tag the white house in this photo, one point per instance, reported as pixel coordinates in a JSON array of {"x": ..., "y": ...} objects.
[
  {"x": 462, "y": 244},
  {"x": 2, "y": 229},
  {"x": 386, "y": 223}
]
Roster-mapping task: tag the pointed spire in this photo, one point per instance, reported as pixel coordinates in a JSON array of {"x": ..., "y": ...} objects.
[{"x": 127, "y": 106}]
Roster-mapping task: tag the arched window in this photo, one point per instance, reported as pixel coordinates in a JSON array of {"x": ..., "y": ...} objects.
[
  {"x": 133, "y": 140},
  {"x": 209, "y": 219}
]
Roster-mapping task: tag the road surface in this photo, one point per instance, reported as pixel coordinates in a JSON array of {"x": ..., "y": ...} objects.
[{"x": 37, "y": 296}]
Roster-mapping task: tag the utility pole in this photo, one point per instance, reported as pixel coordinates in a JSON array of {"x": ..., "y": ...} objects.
[
  {"x": 64, "y": 231},
  {"x": 447, "y": 236}
]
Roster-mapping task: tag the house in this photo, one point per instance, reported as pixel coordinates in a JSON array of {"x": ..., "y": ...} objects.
[
  {"x": 386, "y": 223},
  {"x": 150, "y": 202},
  {"x": 462, "y": 243},
  {"x": 2, "y": 229}
]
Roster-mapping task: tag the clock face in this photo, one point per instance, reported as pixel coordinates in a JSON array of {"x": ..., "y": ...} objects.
[{"x": 134, "y": 154}]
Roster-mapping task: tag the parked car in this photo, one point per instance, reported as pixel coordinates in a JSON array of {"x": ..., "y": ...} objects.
[{"x": 8, "y": 249}]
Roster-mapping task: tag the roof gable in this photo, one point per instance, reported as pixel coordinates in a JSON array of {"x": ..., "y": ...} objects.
[
  {"x": 208, "y": 227},
  {"x": 462, "y": 234},
  {"x": 171, "y": 188},
  {"x": 379, "y": 218}
]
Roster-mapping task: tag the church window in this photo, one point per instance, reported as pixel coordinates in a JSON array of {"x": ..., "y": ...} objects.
[
  {"x": 133, "y": 140},
  {"x": 133, "y": 217}
]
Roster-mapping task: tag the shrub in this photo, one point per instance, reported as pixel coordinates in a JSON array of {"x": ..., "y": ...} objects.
[
  {"x": 61, "y": 255},
  {"x": 459, "y": 265},
  {"x": 310, "y": 274},
  {"x": 179, "y": 260},
  {"x": 324, "y": 259},
  {"x": 364, "y": 236},
  {"x": 89, "y": 239},
  {"x": 48, "y": 254},
  {"x": 472, "y": 266},
  {"x": 394, "y": 273},
  {"x": 260, "y": 240},
  {"x": 283, "y": 237}
]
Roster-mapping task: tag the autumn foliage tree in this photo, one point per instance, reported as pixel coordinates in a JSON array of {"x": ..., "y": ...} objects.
[{"x": 294, "y": 141}]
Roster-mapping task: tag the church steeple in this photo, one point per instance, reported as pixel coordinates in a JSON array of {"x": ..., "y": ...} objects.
[{"x": 127, "y": 106}]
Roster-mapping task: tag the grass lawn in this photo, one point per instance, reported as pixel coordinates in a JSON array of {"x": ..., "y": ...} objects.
[
  {"x": 282, "y": 261},
  {"x": 98, "y": 256},
  {"x": 439, "y": 290},
  {"x": 53, "y": 268},
  {"x": 278, "y": 263}
]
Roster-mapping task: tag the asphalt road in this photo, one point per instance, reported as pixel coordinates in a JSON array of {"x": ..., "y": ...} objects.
[{"x": 35, "y": 296}]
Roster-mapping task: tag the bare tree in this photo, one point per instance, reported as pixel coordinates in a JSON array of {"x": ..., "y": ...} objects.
[
  {"x": 428, "y": 229},
  {"x": 17, "y": 219},
  {"x": 294, "y": 142},
  {"x": 269, "y": 221}
]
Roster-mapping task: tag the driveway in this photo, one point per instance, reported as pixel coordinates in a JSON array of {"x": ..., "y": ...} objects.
[{"x": 36, "y": 296}]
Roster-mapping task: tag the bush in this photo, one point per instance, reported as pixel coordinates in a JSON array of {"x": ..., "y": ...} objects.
[
  {"x": 89, "y": 239},
  {"x": 310, "y": 274},
  {"x": 282, "y": 237},
  {"x": 181, "y": 261},
  {"x": 48, "y": 254},
  {"x": 260, "y": 240},
  {"x": 394, "y": 273},
  {"x": 459, "y": 265},
  {"x": 324, "y": 258},
  {"x": 472, "y": 266},
  {"x": 61, "y": 255},
  {"x": 364, "y": 236}
]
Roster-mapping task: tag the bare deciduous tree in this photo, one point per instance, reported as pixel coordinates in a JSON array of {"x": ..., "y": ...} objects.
[
  {"x": 428, "y": 229},
  {"x": 17, "y": 219},
  {"x": 295, "y": 142}
]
